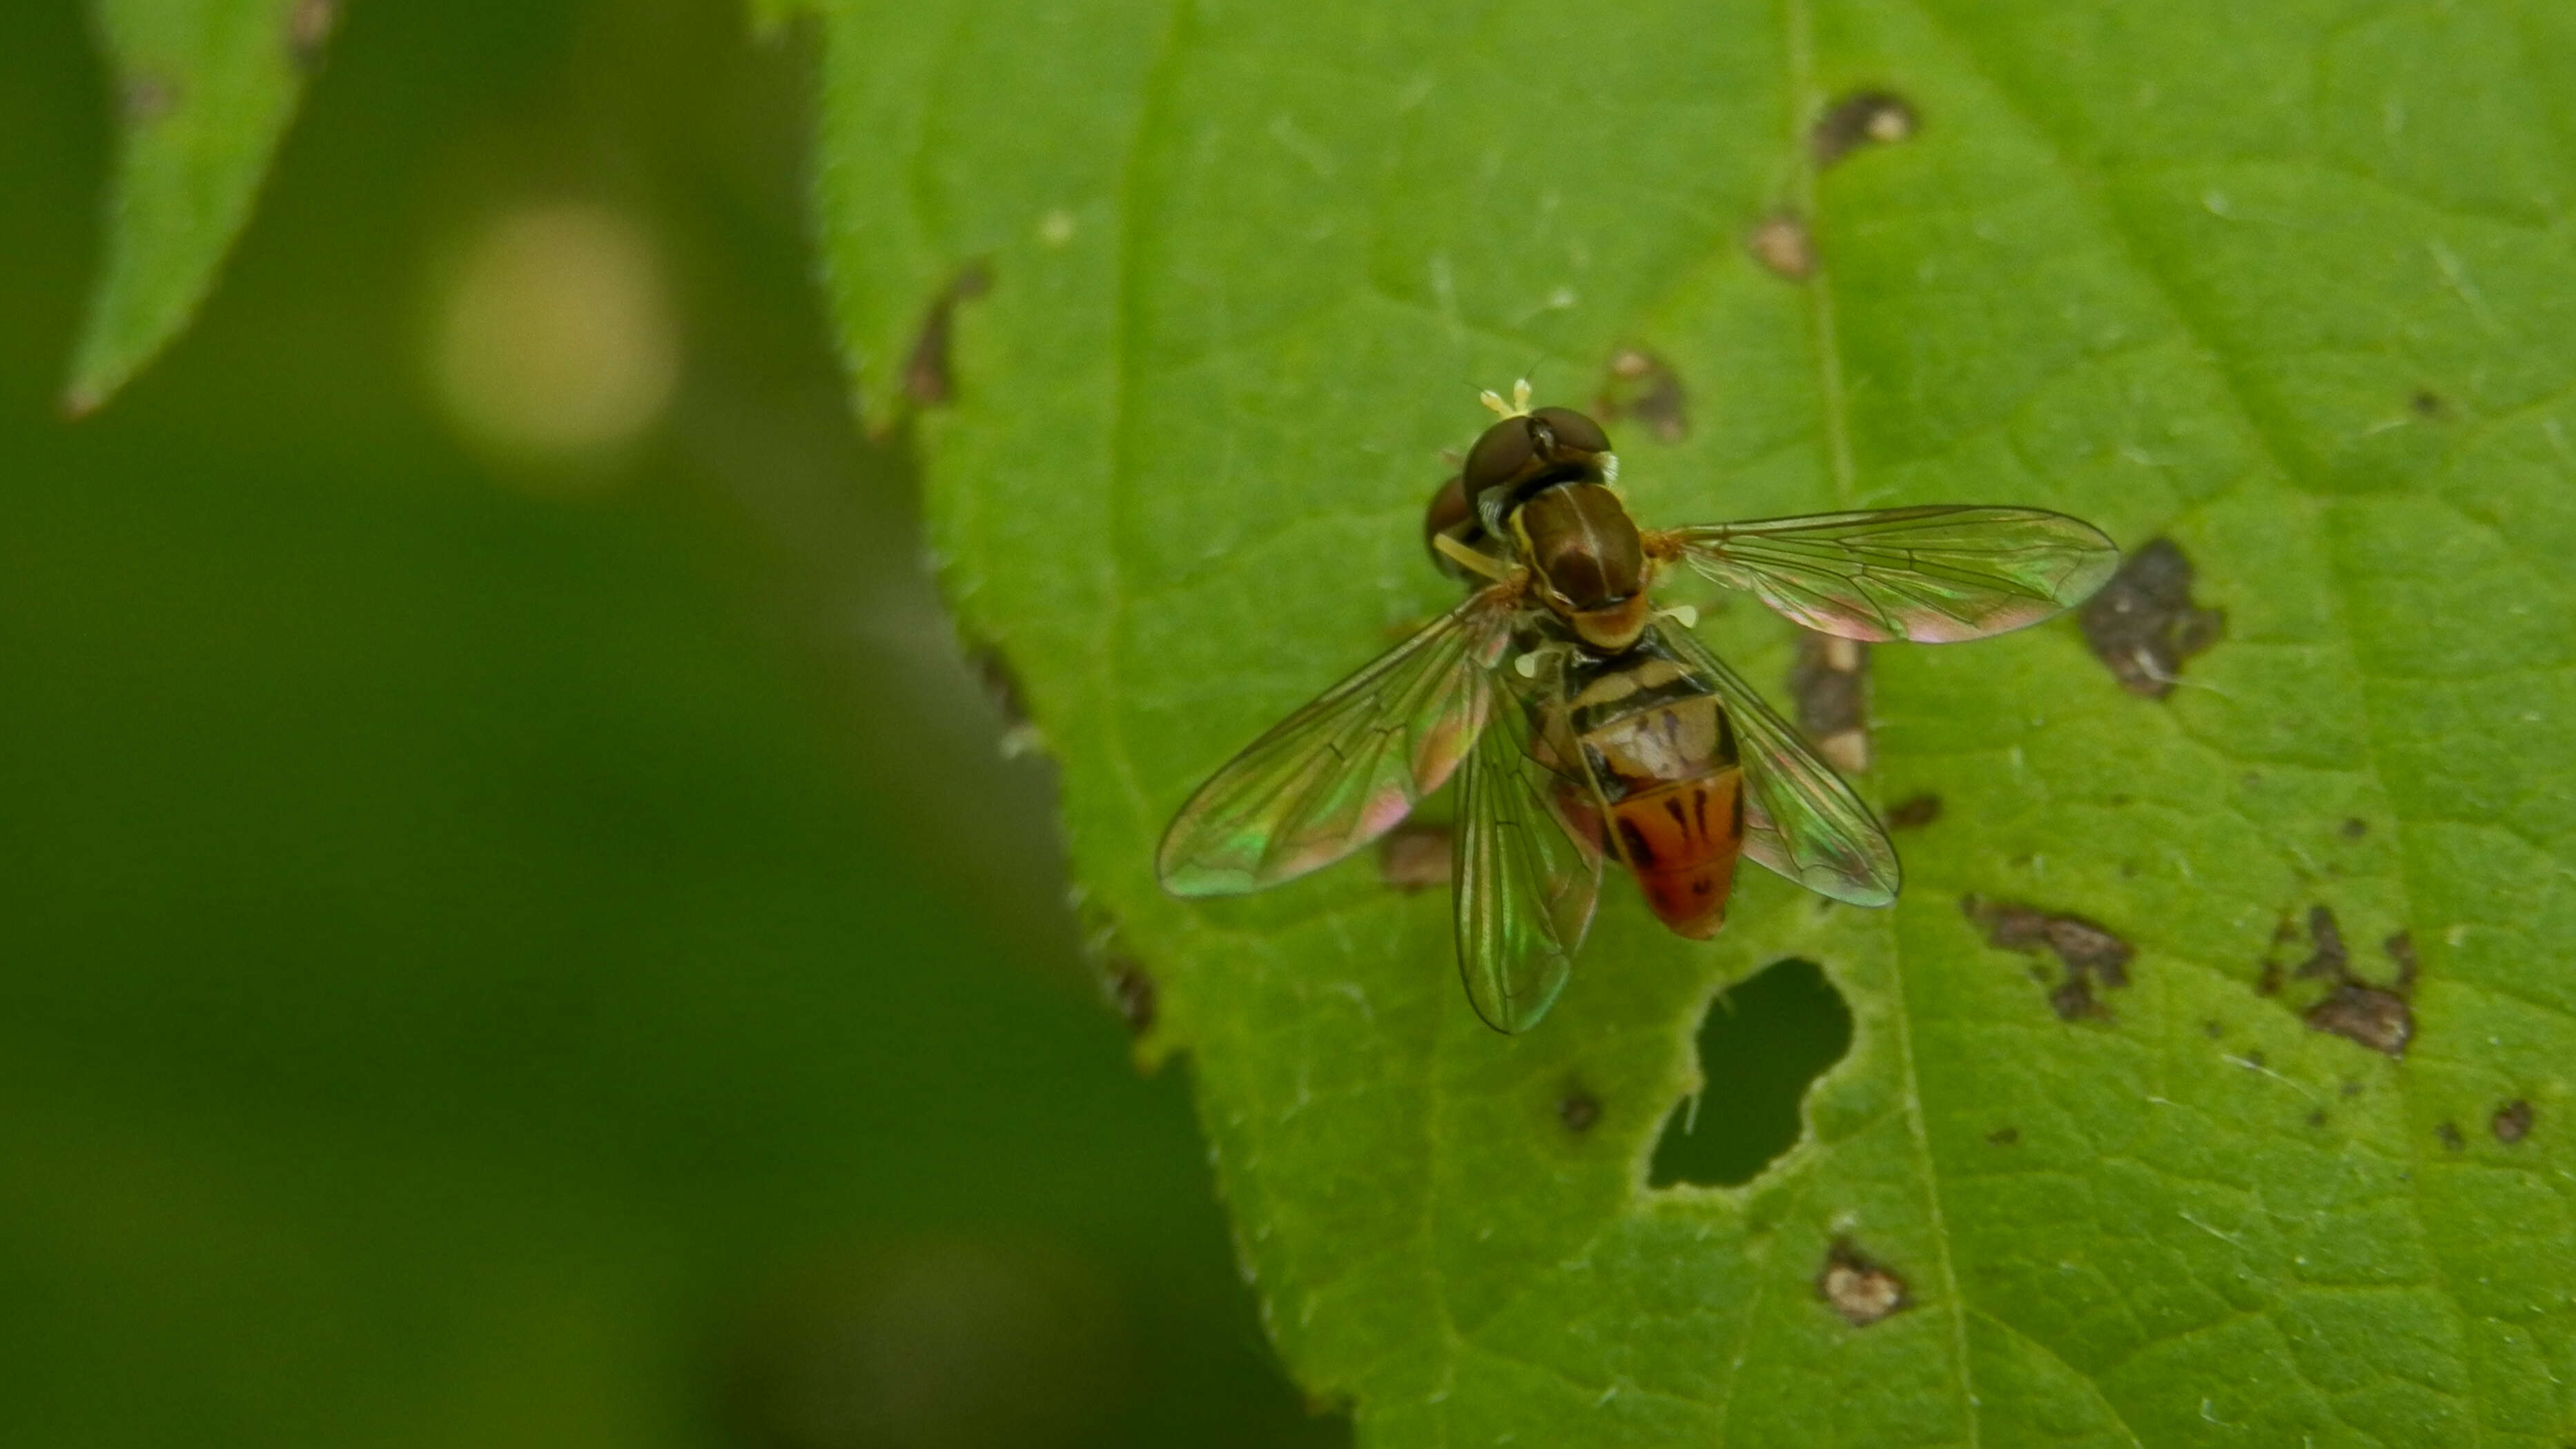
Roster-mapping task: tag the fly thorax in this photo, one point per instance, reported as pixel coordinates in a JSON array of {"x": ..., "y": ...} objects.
[{"x": 1589, "y": 562}]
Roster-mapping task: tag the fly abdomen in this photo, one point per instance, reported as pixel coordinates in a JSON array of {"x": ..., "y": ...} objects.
[
  {"x": 1644, "y": 722},
  {"x": 1662, "y": 752},
  {"x": 1681, "y": 840}
]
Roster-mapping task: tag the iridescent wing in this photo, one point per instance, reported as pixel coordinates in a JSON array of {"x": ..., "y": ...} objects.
[
  {"x": 1800, "y": 819},
  {"x": 1346, "y": 768},
  {"x": 1934, "y": 575},
  {"x": 1527, "y": 876}
]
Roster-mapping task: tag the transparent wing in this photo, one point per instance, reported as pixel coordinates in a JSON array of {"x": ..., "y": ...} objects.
[
  {"x": 1527, "y": 877},
  {"x": 1934, "y": 575},
  {"x": 1800, "y": 819},
  {"x": 1346, "y": 768}
]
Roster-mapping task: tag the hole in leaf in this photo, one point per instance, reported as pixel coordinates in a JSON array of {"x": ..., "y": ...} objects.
[{"x": 1765, "y": 1041}]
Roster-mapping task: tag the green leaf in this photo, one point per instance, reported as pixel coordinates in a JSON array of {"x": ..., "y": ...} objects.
[
  {"x": 2284, "y": 284},
  {"x": 204, "y": 89}
]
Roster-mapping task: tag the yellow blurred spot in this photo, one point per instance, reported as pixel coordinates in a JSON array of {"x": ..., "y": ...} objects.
[{"x": 555, "y": 338}]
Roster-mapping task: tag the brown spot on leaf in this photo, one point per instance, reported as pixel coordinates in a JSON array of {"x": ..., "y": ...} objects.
[
  {"x": 2379, "y": 1020},
  {"x": 2329, "y": 958},
  {"x": 1132, "y": 992},
  {"x": 1830, "y": 682},
  {"x": 1645, "y": 387},
  {"x": 2428, "y": 404},
  {"x": 309, "y": 24},
  {"x": 1863, "y": 118},
  {"x": 2143, "y": 624},
  {"x": 1414, "y": 856},
  {"x": 2004, "y": 1136},
  {"x": 2073, "y": 1000},
  {"x": 148, "y": 98},
  {"x": 2092, "y": 956},
  {"x": 1579, "y": 1110},
  {"x": 2080, "y": 943},
  {"x": 1863, "y": 1292},
  {"x": 2401, "y": 949},
  {"x": 2213, "y": 1030},
  {"x": 2377, "y": 1017},
  {"x": 2355, "y": 828},
  {"x": 1914, "y": 812},
  {"x": 926, "y": 378},
  {"x": 2512, "y": 1121},
  {"x": 2084, "y": 946},
  {"x": 1001, "y": 683},
  {"x": 2450, "y": 1134},
  {"x": 1784, "y": 246},
  {"x": 2317, "y": 1118}
]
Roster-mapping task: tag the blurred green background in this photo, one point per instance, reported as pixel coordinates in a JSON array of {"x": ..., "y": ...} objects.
[
  {"x": 519, "y": 926},
  {"x": 519, "y": 944}
]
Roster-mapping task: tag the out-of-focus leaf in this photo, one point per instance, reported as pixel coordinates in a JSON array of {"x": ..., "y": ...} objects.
[
  {"x": 204, "y": 89},
  {"x": 2284, "y": 284}
]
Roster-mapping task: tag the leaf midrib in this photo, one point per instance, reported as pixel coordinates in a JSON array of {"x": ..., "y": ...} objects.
[{"x": 1805, "y": 102}]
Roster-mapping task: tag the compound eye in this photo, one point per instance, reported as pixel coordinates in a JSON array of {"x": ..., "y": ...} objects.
[
  {"x": 1450, "y": 515},
  {"x": 1573, "y": 430},
  {"x": 1499, "y": 456},
  {"x": 1448, "y": 509}
]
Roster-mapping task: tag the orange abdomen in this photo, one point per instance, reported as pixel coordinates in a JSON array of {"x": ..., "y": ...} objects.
[{"x": 1681, "y": 840}]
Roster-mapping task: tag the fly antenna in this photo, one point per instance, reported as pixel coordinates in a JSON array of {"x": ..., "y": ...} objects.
[{"x": 1518, "y": 407}]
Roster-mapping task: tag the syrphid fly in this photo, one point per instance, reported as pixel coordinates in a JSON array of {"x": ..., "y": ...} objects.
[{"x": 1584, "y": 723}]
